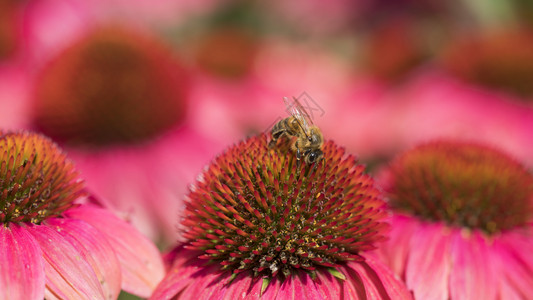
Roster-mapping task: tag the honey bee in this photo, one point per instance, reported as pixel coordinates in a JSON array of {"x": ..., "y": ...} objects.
[{"x": 306, "y": 138}]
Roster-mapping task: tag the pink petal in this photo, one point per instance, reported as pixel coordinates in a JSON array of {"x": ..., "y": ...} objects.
[
  {"x": 96, "y": 250},
  {"x": 21, "y": 265},
  {"x": 396, "y": 250},
  {"x": 52, "y": 25},
  {"x": 179, "y": 274},
  {"x": 328, "y": 285},
  {"x": 428, "y": 264},
  {"x": 235, "y": 291},
  {"x": 473, "y": 275},
  {"x": 298, "y": 286},
  {"x": 68, "y": 274},
  {"x": 205, "y": 284},
  {"x": 215, "y": 285},
  {"x": 393, "y": 285},
  {"x": 353, "y": 287},
  {"x": 272, "y": 290},
  {"x": 141, "y": 263},
  {"x": 515, "y": 266},
  {"x": 290, "y": 289}
]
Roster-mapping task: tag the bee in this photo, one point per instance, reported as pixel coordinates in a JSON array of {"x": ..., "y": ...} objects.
[{"x": 306, "y": 138}]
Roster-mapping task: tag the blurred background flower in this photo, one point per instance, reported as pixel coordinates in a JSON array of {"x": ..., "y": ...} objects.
[
  {"x": 173, "y": 82},
  {"x": 462, "y": 222}
]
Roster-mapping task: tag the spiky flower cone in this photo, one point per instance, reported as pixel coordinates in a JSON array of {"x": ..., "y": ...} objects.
[
  {"x": 38, "y": 182},
  {"x": 52, "y": 243},
  {"x": 113, "y": 86},
  {"x": 502, "y": 59},
  {"x": 258, "y": 223},
  {"x": 463, "y": 222}
]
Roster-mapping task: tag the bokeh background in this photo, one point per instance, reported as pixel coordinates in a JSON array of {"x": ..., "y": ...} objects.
[{"x": 143, "y": 94}]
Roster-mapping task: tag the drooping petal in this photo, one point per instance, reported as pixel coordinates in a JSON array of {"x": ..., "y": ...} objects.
[
  {"x": 95, "y": 248},
  {"x": 328, "y": 285},
  {"x": 353, "y": 288},
  {"x": 400, "y": 236},
  {"x": 473, "y": 275},
  {"x": 21, "y": 265},
  {"x": 211, "y": 285},
  {"x": 68, "y": 273},
  {"x": 298, "y": 286},
  {"x": 515, "y": 268},
  {"x": 393, "y": 285},
  {"x": 428, "y": 264},
  {"x": 235, "y": 291},
  {"x": 379, "y": 282},
  {"x": 141, "y": 263},
  {"x": 177, "y": 278},
  {"x": 272, "y": 290}
]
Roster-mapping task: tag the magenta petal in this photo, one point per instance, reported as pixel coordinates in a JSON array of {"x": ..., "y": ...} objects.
[
  {"x": 298, "y": 286},
  {"x": 21, "y": 265},
  {"x": 328, "y": 285},
  {"x": 397, "y": 248},
  {"x": 378, "y": 281},
  {"x": 204, "y": 283},
  {"x": 252, "y": 291},
  {"x": 515, "y": 267},
  {"x": 272, "y": 290},
  {"x": 428, "y": 264},
  {"x": 353, "y": 287},
  {"x": 178, "y": 276},
  {"x": 141, "y": 262},
  {"x": 217, "y": 286},
  {"x": 394, "y": 287},
  {"x": 288, "y": 290},
  {"x": 210, "y": 286},
  {"x": 96, "y": 249},
  {"x": 68, "y": 274},
  {"x": 473, "y": 272}
]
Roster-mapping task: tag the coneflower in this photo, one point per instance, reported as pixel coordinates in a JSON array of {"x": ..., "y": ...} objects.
[
  {"x": 500, "y": 59},
  {"x": 116, "y": 99},
  {"x": 113, "y": 86},
  {"x": 258, "y": 224},
  {"x": 54, "y": 244},
  {"x": 462, "y": 227}
]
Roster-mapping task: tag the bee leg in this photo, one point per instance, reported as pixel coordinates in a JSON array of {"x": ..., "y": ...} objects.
[
  {"x": 272, "y": 143},
  {"x": 298, "y": 156}
]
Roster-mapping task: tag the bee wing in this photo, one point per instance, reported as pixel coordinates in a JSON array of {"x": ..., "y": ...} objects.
[{"x": 297, "y": 110}]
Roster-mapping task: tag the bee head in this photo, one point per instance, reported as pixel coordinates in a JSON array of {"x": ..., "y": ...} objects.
[{"x": 314, "y": 156}]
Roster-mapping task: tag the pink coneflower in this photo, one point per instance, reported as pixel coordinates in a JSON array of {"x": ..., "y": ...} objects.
[
  {"x": 117, "y": 100},
  {"x": 112, "y": 86},
  {"x": 499, "y": 59},
  {"x": 53, "y": 243},
  {"x": 259, "y": 224},
  {"x": 462, "y": 227}
]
